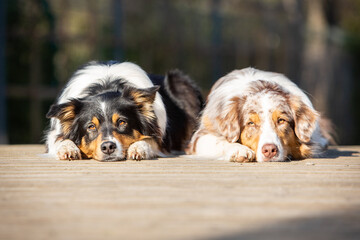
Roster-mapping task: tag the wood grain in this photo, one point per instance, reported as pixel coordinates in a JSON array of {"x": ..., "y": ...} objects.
[{"x": 178, "y": 198}]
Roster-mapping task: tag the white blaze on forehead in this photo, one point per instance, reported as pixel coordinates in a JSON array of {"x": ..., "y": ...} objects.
[
  {"x": 268, "y": 134},
  {"x": 103, "y": 107}
]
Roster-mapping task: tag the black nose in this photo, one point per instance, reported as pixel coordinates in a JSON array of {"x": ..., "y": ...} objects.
[{"x": 108, "y": 147}]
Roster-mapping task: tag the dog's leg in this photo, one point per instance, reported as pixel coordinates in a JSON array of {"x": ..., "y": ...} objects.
[
  {"x": 213, "y": 146},
  {"x": 143, "y": 149},
  {"x": 67, "y": 150},
  {"x": 61, "y": 149}
]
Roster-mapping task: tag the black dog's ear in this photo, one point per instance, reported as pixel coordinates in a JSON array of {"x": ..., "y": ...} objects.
[
  {"x": 144, "y": 98},
  {"x": 65, "y": 112},
  {"x": 141, "y": 96}
]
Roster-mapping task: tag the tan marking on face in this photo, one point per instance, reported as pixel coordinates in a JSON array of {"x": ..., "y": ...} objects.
[
  {"x": 92, "y": 150},
  {"x": 250, "y": 134},
  {"x": 126, "y": 140},
  {"x": 255, "y": 118},
  {"x": 287, "y": 134},
  {"x": 95, "y": 121},
  {"x": 278, "y": 115},
  {"x": 115, "y": 117}
]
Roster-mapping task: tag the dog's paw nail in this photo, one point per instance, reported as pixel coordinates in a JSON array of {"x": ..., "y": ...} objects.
[
  {"x": 139, "y": 151},
  {"x": 240, "y": 153},
  {"x": 68, "y": 151}
]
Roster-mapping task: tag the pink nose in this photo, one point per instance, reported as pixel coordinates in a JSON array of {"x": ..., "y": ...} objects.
[{"x": 269, "y": 151}]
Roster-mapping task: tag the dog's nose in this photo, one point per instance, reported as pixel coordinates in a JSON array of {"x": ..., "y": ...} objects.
[
  {"x": 108, "y": 147},
  {"x": 269, "y": 150}
]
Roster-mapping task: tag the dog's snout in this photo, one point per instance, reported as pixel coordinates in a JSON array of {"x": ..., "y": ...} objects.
[
  {"x": 269, "y": 151},
  {"x": 108, "y": 147}
]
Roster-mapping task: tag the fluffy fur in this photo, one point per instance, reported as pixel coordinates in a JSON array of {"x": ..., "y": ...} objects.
[
  {"x": 112, "y": 111},
  {"x": 256, "y": 115}
]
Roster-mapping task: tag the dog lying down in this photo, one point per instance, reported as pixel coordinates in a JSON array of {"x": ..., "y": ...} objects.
[
  {"x": 256, "y": 115},
  {"x": 112, "y": 111}
]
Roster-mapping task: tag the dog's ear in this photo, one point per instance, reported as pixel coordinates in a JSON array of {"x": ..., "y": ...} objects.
[
  {"x": 305, "y": 119},
  {"x": 65, "y": 112},
  {"x": 140, "y": 96},
  {"x": 144, "y": 98},
  {"x": 228, "y": 119}
]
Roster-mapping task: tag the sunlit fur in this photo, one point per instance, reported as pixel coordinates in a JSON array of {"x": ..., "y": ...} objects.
[
  {"x": 91, "y": 148},
  {"x": 112, "y": 111},
  {"x": 256, "y": 109},
  {"x": 104, "y": 125},
  {"x": 95, "y": 73}
]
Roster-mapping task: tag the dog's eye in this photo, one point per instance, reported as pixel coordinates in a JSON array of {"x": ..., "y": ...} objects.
[
  {"x": 281, "y": 121},
  {"x": 121, "y": 123},
  {"x": 250, "y": 124},
  {"x": 91, "y": 127}
]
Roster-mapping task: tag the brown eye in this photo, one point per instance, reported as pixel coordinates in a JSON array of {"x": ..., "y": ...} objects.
[
  {"x": 281, "y": 121},
  {"x": 91, "y": 127},
  {"x": 250, "y": 124},
  {"x": 121, "y": 123}
]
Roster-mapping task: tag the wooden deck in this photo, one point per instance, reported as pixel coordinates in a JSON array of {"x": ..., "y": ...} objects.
[{"x": 178, "y": 198}]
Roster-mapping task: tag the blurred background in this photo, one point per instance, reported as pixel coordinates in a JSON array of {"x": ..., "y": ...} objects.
[{"x": 316, "y": 43}]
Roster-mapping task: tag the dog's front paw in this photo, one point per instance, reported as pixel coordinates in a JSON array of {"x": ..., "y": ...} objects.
[
  {"x": 68, "y": 151},
  {"x": 140, "y": 150},
  {"x": 239, "y": 153}
]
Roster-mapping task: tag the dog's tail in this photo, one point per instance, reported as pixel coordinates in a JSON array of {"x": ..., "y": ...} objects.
[
  {"x": 328, "y": 130},
  {"x": 184, "y": 92},
  {"x": 184, "y": 102}
]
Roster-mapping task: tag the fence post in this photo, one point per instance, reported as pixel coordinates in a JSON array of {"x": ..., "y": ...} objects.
[
  {"x": 216, "y": 39},
  {"x": 3, "y": 131},
  {"x": 117, "y": 26}
]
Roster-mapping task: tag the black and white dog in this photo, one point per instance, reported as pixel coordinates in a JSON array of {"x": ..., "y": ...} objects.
[{"x": 113, "y": 111}]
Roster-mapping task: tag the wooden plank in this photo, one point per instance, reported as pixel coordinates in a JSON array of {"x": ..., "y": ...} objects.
[{"x": 178, "y": 198}]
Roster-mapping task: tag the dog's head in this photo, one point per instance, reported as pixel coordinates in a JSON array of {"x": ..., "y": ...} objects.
[
  {"x": 105, "y": 125},
  {"x": 275, "y": 124}
]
